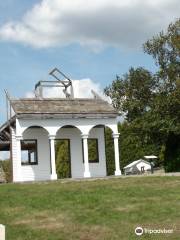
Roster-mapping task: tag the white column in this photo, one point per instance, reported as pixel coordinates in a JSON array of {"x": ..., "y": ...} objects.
[
  {"x": 116, "y": 153},
  {"x": 85, "y": 155},
  {"x": 52, "y": 157}
]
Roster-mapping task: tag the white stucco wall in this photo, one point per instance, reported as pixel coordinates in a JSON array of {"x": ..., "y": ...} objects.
[
  {"x": 16, "y": 156},
  {"x": 42, "y": 171},
  {"x": 53, "y": 125}
]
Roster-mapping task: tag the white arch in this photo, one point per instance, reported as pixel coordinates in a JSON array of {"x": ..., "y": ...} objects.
[
  {"x": 31, "y": 126},
  {"x": 113, "y": 127},
  {"x": 65, "y": 125}
]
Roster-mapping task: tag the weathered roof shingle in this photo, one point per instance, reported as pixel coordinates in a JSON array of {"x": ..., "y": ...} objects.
[{"x": 63, "y": 107}]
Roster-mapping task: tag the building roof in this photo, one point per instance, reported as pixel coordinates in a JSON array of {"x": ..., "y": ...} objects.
[
  {"x": 62, "y": 107},
  {"x": 5, "y": 134},
  {"x": 135, "y": 163}
]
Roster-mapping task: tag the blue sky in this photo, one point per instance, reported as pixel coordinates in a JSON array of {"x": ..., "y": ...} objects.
[{"x": 36, "y": 36}]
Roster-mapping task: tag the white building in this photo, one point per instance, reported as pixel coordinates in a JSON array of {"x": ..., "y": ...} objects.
[
  {"x": 38, "y": 122},
  {"x": 137, "y": 167}
]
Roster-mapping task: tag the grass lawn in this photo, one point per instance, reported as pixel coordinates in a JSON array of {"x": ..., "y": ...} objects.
[{"x": 101, "y": 209}]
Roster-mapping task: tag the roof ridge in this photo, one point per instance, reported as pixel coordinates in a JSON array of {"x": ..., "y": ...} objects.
[{"x": 59, "y": 99}]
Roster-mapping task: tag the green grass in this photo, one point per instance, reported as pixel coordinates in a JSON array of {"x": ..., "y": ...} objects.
[{"x": 101, "y": 210}]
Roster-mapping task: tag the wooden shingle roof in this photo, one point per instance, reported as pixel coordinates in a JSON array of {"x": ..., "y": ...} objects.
[{"x": 52, "y": 108}]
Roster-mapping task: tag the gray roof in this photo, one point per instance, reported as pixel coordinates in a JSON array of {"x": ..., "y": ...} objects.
[
  {"x": 5, "y": 134},
  {"x": 78, "y": 107}
]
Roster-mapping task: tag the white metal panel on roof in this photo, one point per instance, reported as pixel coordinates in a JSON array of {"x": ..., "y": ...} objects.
[
  {"x": 132, "y": 164},
  {"x": 135, "y": 163},
  {"x": 150, "y": 157}
]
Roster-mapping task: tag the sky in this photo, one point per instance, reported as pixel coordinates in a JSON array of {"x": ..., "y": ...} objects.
[{"x": 90, "y": 41}]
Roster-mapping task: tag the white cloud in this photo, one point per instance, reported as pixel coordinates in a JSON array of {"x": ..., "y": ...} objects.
[
  {"x": 82, "y": 88},
  {"x": 95, "y": 23},
  {"x": 29, "y": 94}
]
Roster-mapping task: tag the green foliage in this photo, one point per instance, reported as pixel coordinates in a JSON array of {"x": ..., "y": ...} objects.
[
  {"x": 93, "y": 150},
  {"x": 63, "y": 162},
  {"x": 165, "y": 108},
  {"x": 132, "y": 93},
  {"x": 134, "y": 145},
  {"x": 165, "y": 49},
  {"x": 7, "y": 168},
  {"x": 150, "y": 102},
  {"x": 172, "y": 154},
  {"x": 109, "y": 146},
  {"x": 164, "y": 116}
]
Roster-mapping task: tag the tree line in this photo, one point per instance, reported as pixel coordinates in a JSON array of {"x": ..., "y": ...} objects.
[{"x": 150, "y": 103}]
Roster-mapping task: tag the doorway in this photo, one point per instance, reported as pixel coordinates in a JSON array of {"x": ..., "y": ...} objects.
[{"x": 63, "y": 158}]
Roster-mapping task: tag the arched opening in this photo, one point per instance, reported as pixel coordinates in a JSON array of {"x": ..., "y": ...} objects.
[
  {"x": 35, "y": 156},
  {"x": 67, "y": 151},
  {"x": 102, "y": 135},
  {"x": 109, "y": 146}
]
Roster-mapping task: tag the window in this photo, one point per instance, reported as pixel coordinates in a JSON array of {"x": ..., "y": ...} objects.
[
  {"x": 29, "y": 152},
  {"x": 93, "y": 152}
]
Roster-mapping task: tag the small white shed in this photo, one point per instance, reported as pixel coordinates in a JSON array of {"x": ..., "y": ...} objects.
[{"x": 137, "y": 167}]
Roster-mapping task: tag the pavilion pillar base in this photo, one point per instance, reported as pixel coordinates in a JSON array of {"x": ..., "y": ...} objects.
[
  {"x": 87, "y": 174},
  {"x": 117, "y": 173},
  {"x": 53, "y": 177}
]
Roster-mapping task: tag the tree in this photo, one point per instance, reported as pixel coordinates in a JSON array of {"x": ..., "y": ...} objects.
[
  {"x": 151, "y": 102},
  {"x": 172, "y": 153},
  {"x": 109, "y": 147},
  {"x": 7, "y": 169},
  {"x": 165, "y": 113},
  {"x": 63, "y": 161},
  {"x": 135, "y": 144},
  {"x": 132, "y": 93},
  {"x": 165, "y": 49}
]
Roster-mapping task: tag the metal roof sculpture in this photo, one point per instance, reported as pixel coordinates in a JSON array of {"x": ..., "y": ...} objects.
[{"x": 64, "y": 83}]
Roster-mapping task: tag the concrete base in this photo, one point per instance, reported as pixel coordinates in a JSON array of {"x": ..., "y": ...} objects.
[
  {"x": 17, "y": 180},
  {"x": 54, "y": 177},
  {"x": 118, "y": 173},
  {"x": 87, "y": 174}
]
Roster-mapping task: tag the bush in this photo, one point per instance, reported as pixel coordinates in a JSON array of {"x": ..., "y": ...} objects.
[
  {"x": 109, "y": 144},
  {"x": 6, "y": 166}
]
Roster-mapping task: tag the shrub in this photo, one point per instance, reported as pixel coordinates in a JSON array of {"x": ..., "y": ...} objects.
[{"x": 6, "y": 166}]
